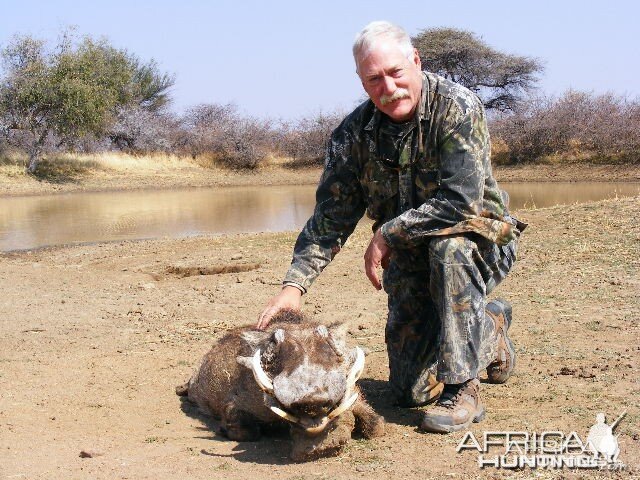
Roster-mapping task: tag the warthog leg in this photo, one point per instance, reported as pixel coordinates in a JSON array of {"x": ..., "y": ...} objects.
[
  {"x": 239, "y": 425},
  {"x": 329, "y": 442},
  {"x": 368, "y": 422}
]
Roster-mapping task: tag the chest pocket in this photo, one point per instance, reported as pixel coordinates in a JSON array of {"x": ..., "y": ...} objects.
[
  {"x": 380, "y": 185},
  {"x": 427, "y": 178}
]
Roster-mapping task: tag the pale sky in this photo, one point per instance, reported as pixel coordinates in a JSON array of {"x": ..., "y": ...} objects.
[{"x": 286, "y": 59}]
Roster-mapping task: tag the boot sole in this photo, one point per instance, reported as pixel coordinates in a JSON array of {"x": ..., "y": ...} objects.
[
  {"x": 500, "y": 380},
  {"x": 508, "y": 316},
  {"x": 427, "y": 426}
]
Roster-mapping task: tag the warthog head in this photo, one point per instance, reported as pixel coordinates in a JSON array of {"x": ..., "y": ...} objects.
[{"x": 306, "y": 372}]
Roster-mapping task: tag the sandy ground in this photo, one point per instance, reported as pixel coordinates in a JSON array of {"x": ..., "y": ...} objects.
[
  {"x": 145, "y": 174},
  {"x": 184, "y": 174},
  {"x": 95, "y": 338}
]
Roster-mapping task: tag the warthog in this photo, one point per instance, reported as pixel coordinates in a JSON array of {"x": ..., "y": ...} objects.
[{"x": 297, "y": 372}]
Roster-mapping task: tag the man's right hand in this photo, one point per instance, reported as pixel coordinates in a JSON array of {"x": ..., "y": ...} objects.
[{"x": 289, "y": 297}]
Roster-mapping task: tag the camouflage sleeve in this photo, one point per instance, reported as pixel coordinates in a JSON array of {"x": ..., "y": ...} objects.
[
  {"x": 463, "y": 152},
  {"x": 339, "y": 206}
]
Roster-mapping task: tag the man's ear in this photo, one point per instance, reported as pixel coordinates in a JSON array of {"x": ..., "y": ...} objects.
[{"x": 416, "y": 58}]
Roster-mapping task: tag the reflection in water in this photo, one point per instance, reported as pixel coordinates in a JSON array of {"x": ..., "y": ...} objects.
[
  {"x": 540, "y": 194},
  {"x": 30, "y": 222}
]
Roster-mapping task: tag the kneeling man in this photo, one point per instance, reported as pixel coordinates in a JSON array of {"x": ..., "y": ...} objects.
[{"x": 415, "y": 158}]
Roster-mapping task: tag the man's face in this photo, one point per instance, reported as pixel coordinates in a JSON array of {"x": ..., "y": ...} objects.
[{"x": 392, "y": 81}]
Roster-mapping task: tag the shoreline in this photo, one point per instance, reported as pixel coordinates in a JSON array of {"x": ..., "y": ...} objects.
[{"x": 191, "y": 175}]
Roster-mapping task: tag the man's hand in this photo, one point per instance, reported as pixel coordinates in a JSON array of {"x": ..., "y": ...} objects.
[
  {"x": 377, "y": 254},
  {"x": 289, "y": 297}
]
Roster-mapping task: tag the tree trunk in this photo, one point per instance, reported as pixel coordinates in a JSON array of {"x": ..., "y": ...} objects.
[
  {"x": 34, "y": 159},
  {"x": 35, "y": 152}
]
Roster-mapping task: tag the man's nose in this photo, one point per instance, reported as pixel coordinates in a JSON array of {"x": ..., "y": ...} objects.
[{"x": 388, "y": 85}]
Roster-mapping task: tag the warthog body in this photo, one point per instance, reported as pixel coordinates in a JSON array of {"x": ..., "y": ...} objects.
[{"x": 298, "y": 373}]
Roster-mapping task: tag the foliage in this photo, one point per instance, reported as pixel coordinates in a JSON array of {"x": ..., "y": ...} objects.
[
  {"x": 53, "y": 98},
  {"x": 305, "y": 140},
  {"x": 236, "y": 140},
  {"x": 500, "y": 79},
  {"x": 139, "y": 130},
  {"x": 84, "y": 95},
  {"x": 150, "y": 86},
  {"x": 577, "y": 123}
]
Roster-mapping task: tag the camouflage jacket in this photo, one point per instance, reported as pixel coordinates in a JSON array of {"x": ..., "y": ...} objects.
[{"x": 433, "y": 178}]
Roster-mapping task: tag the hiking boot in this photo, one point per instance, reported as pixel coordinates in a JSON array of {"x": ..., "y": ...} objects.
[
  {"x": 500, "y": 369},
  {"x": 458, "y": 406}
]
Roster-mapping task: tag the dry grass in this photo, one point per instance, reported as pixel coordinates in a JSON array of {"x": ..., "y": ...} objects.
[
  {"x": 12, "y": 158},
  {"x": 120, "y": 162},
  {"x": 77, "y": 162},
  {"x": 501, "y": 156},
  {"x": 113, "y": 171},
  {"x": 499, "y": 152},
  {"x": 13, "y": 163},
  {"x": 76, "y": 168}
]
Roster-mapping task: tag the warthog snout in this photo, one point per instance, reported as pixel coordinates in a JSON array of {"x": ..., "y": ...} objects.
[
  {"x": 310, "y": 389},
  {"x": 312, "y": 407}
]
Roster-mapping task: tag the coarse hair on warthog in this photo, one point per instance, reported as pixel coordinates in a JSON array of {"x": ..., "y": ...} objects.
[{"x": 297, "y": 372}]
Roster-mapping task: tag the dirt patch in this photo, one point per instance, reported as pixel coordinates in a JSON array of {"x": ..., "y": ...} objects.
[
  {"x": 183, "y": 272},
  {"x": 91, "y": 351}
]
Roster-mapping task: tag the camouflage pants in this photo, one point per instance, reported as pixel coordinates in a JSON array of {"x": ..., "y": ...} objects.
[{"x": 437, "y": 323}]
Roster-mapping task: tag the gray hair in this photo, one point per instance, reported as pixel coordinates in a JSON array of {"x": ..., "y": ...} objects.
[{"x": 375, "y": 30}]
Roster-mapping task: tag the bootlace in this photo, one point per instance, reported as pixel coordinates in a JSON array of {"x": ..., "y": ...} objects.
[{"x": 450, "y": 394}]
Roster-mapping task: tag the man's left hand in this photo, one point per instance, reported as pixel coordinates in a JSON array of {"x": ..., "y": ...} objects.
[{"x": 377, "y": 254}]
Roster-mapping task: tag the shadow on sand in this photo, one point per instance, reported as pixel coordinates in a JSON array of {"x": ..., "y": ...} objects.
[
  {"x": 272, "y": 449},
  {"x": 379, "y": 397},
  {"x": 274, "y": 446}
]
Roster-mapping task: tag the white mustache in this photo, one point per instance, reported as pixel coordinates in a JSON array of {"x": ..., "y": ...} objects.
[{"x": 399, "y": 94}]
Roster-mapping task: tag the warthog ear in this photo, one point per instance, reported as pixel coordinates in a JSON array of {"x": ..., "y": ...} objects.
[
  {"x": 254, "y": 337},
  {"x": 244, "y": 361},
  {"x": 338, "y": 336},
  {"x": 322, "y": 331},
  {"x": 278, "y": 336},
  {"x": 339, "y": 330}
]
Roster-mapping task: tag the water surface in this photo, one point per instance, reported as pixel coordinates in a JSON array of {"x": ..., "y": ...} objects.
[{"x": 31, "y": 222}]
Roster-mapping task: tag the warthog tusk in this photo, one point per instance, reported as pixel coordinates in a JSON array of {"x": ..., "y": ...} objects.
[
  {"x": 356, "y": 369},
  {"x": 339, "y": 410},
  {"x": 344, "y": 406},
  {"x": 293, "y": 419},
  {"x": 352, "y": 378},
  {"x": 318, "y": 428},
  {"x": 263, "y": 380},
  {"x": 286, "y": 415}
]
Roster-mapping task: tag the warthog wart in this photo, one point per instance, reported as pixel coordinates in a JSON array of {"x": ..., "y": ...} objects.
[{"x": 298, "y": 372}]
